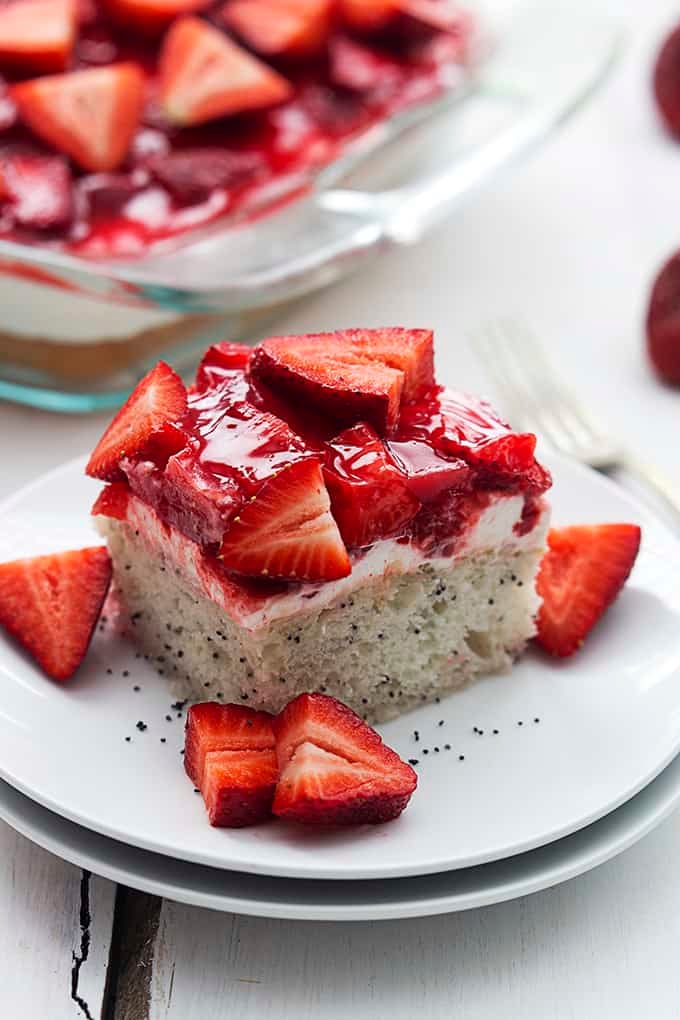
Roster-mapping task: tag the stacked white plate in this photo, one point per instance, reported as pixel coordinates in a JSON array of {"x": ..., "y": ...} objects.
[{"x": 529, "y": 779}]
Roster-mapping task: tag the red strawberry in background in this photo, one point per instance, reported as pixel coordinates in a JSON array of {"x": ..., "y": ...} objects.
[
  {"x": 663, "y": 322},
  {"x": 204, "y": 75},
  {"x": 89, "y": 115},
  {"x": 335, "y": 769},
  {"x": 281, "y": 28},
  {"x": 666, "y": 81},
  {"x": 229, "y": 755},
  {"x": 582, "y": 573},
  {"x": 51, "y": 605},
  {"x": 145, "y": 424},
  {"x": 37, "y": 36},
  {"x": 152, "y": 17}
]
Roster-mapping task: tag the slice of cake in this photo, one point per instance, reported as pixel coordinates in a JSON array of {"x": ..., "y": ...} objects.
[{"x": 319, "y": 514}]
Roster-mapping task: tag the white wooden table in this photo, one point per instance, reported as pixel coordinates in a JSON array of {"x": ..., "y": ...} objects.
[{"x": 570, "y": 242}]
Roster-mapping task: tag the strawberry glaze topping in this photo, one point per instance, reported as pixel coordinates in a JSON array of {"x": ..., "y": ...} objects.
[{"x": 425, "y": 482}]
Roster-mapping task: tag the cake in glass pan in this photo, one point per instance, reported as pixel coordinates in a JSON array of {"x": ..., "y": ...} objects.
[{"x": 317, "y": 513}]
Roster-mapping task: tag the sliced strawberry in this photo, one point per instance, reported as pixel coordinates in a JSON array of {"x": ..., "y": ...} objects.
[
  {"x": 370, "y": 497},
  {"x": 146, "y": 424},
  {"x": 220, "y": 362},
  {"x": 427, "y": 472},
  {"x": 361, "y": 68},
  {"x": 582, "y": 573},
  {"x": 377, "y": 15},
  {"x": 229, "y": 754},
  {"x": 51, "y": 605},
  {"x": 192, "y": 175},
  {"x": 352, "y": 375},
  {"x": 663, "y": 317},
  {"x": 334, "y": 769},
  {"x": 151, "y": 17},
  {"x": 667, "y": 81},
  {"x": 368, "y": 15},
  {"x": 37, "y": 190},
  {"x": 37, "y": 35},
  {"x": 287, "y": 530},
  {"x": 462, "y": 426},
  {"x": 204, "y": 75},
  {"x": 112, "y": 501},
  {"x": 89, "y": 115},
  {"x": 238, "y": 787},
  {"x": 290, "y": 28}
]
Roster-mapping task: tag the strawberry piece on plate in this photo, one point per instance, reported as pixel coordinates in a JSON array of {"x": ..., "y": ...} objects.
[
  {"x": 37, "y": 35},
  {"x": 335, "y": 769},
  {"x": 204, "y": 74},
  {"x": 37, "y": 190},
  {"x": 229, "y": 755},
  {"x": 89, "y": 115},
  {"x": 352, "y": 375},
  {"x": 51, "y": 605},
  {"x": 145, "y": 425},
  {"x": 151, "y": 17},
  {"x": 667, "y": 81},
  {"x": 663, "y": 322},
  {"x": 112, "y": 501},
  {"x": 370, "y": 497},
  {"x": 290, "y": 28},
  {"x": 287, "y": 531},
  {"x": 580, "y": 576}
]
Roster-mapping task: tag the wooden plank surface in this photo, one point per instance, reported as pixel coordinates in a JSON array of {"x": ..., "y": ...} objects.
[
  {"x": 604, "y": 945},
  {"x": 55, "y": 935}
]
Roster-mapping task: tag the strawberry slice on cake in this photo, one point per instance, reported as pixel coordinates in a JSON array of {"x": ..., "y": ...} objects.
[
  {"x": 37, "y": 35},
  {"x": 290, "y": 28},
  {"x": 319, "y": 510}
]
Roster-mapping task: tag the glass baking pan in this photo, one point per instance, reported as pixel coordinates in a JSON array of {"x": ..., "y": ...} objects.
[{"x": 76, "y": 333}]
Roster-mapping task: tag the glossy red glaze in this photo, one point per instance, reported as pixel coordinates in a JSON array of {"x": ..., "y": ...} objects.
[{"x": 176, "y": 179}]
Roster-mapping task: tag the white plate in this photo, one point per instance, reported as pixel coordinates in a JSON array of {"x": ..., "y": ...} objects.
[
  {"x": 609, "y": 722},
  {"x": 376, "y": 900}
]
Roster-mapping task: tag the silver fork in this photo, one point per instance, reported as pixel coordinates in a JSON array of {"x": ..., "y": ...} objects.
[{"x": 538, "y": 401}]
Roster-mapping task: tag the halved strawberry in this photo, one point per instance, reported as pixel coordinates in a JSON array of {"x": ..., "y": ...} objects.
[
  {"x": 112, "y": 501},
  {"x": 229, "y": 754},
  {"x": 51, "y": 605},
  {"x": 89, "y": 115},
  {"x": 145, "y": 425},
  {"x": 352, "y": 375},
  {"x": 287, "y": 530},
  {"x": 334, "y": 769},
  {"x": 582, "y": 573},
  {"x": 37, "y": 190},
  {"x": 151, "y": 17},
  {"x": 204, "y": 74},
  {"x": 290, "y": 28},
  {"x": 37, "y": 35},
  {"x": 370, "y": 497}
]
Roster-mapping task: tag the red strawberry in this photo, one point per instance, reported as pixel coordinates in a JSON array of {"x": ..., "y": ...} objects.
[
  {"x": 151, "y": 17},
  {"x": 352, "y": 375},
  {"x": 192, "y": 175},
  {"x": 370, "y": 497},
  {"x": 145, "y": 425},
  {"x": 428, "y": 473},
  {"x": 582, "y": 573},
  {"x": 229, "y": 755},
  {"x": 334, "y": 769},
  {"x": 368, "y": 15},
  {"x": 375, "y": 15},
  {"x": 667, "y": 81},
  {"x": 287, "y": 530},
  {"x": 291, "y": 28},
  {"x": 663, "y": 322},
  {"x": 37, "y": 35},
  {"x": 358, "y": 67},
  {"x": 37, "y": 190},
  {"x": 112, "y": 501},
  {"x": 221, "y": 362},
  {"x": 204, "y": 74},
  {"x": 51, "y": 605},
  {"x": 89, "y": 115}
]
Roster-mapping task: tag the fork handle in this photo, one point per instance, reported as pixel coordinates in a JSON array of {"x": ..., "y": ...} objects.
[{"x": 655, "y": 482}]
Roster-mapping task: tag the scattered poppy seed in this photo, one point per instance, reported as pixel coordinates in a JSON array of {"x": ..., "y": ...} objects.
[
  {"x": 169, "y": 718},
  {"x": 425, "y": 751},
  {"x": 447, "y": 747},
  {"x": 413, "y": 761},
  {"x": 537, "y": 719},
  {"x": 141, "y": 726},
  {"x": 437, "y": 750},
  {"x": 440, "y": 723},
  {"x": 461, "y": 757},
  {"x": 136, "y": 687},
  {"x": 110, "y": 672},
  {"x": 162, "y": 740},
  {"x": 495, "y": 732},
  {"x": 128, "y": 739},
  {"x": 520, "y": 723}
]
